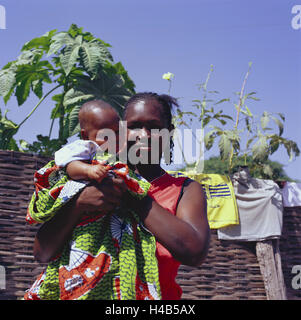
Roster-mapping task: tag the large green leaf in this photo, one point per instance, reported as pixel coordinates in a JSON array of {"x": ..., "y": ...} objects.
[
  {"x": 42, "y": 42},
  {"x": 74, "y": 48},
  {"x": 129, "y": 83},
  {"x": 58, "y": 41},
  {"x": 74, "y": 127},
  {"x": 7, "y": 81},
  {"x": 69, "y": 57},
  {"x": 107, "y": 87},
  {"x": 9, "y": 72},
  {"x": 93, "y": 55},
  {"x": 31, "y": 76}
]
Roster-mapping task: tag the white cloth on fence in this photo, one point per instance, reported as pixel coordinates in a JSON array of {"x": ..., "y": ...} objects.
[
  {"x": 77, "y": 150},
  {"x": 291, "y": 194},
  {"x": 260, "y": 209}
]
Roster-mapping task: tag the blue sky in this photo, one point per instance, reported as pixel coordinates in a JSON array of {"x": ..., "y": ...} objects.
[{"x": 182, "y": 37}]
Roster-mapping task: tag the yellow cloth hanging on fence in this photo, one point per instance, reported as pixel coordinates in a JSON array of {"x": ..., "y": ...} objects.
[{"x": 221, "y": 202}]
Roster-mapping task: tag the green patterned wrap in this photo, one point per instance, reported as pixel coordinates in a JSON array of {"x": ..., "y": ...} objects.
[{"x": 109, "y": 257}]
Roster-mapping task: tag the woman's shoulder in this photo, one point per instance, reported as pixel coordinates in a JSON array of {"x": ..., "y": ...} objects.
[{"x": 188, "y": 183}]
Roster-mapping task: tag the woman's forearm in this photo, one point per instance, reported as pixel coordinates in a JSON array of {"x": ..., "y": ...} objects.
[
  {"x": 54, "y": 234},
  {"x": 186, "y": 243}
]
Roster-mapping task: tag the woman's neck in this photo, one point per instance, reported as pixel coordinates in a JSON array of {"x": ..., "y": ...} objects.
[{"x": 149, "y": 172}]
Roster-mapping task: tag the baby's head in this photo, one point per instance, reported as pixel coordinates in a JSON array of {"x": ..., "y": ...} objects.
[{"x": 95, "y": 117}]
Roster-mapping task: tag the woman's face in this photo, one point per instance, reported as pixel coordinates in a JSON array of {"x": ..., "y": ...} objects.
[{"x": 145, "y": 119}]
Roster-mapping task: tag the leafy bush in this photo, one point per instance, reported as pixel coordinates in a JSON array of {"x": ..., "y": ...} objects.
[{"x": 74, "y": 62}]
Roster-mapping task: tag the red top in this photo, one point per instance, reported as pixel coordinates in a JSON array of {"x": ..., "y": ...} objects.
[{"x": 166, "y": 191}]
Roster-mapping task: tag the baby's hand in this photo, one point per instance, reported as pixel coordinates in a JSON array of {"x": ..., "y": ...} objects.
[{"x": 97, "y": 172}]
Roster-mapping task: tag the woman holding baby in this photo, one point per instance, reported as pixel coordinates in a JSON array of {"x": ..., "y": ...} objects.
[{"x": 173, "y": 211}]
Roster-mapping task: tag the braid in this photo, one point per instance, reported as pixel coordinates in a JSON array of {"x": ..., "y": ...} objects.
[{"x": 167, "y": 102}]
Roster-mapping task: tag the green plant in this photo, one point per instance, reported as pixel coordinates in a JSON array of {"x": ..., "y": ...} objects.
[
  {"x": 261, "y": 141},
  {"x": 250, "y": 137},
  {"x": 216, "y": 165},
  {"x": 7, "y": 130},
  {"x": 204, "y": 114},
  {"x": 75, "y": 62}
]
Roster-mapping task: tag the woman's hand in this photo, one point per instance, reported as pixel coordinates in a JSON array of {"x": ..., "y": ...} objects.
[{"x": 103, "y": 197}]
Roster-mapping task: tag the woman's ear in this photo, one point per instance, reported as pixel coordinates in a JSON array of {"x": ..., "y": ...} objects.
[{"x": 84, "y": 134}]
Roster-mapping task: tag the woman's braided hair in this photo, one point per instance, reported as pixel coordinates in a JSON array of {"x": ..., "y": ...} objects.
[{"x": 167, "y": 102}]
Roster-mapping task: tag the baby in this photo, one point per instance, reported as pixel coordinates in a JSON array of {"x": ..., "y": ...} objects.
[{"x": 94, "y": 117}]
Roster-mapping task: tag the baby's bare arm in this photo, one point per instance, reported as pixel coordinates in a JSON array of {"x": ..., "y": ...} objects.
[{"x": 80, "y": 170}]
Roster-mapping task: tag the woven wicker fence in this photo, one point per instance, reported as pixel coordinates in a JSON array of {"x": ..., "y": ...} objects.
[{"x": 231, "y": 270}]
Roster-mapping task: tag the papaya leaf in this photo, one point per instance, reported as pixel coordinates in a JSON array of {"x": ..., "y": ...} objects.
[
  {"x": 69, "y": 57},
  {"x": 58, "y": 41},
  {"x": 93, "y": 55},
  {"x": 37, "y": 88},
  {"x": 42, "y": 42},
  {"x": 7, "y": 82},
  {"x": 23, "y": 90},
  {"x": 108, "y": 87},
  {"x": 27, "y": 77},
  {"x": 119, "y": 69},
  {"x": 74, "y": 127}
]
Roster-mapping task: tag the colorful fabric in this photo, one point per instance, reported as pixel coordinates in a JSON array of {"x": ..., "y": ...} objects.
[
  {"x": 222, "y": 208},
  {"x": 109, "y": 257},
  {"x": 166, "y": 191}
]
